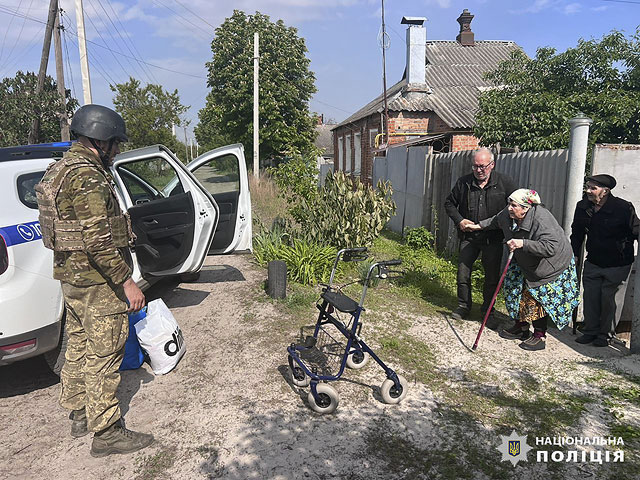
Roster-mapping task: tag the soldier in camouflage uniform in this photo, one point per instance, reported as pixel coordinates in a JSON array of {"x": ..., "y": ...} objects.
[{"x": 82, "y": 222}]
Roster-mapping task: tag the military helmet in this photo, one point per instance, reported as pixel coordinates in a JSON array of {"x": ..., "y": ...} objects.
[{"x": 100, "y": 123}]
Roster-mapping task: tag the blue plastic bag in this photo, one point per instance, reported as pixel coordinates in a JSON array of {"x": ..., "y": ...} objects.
[{"x": 133, "y": 354}]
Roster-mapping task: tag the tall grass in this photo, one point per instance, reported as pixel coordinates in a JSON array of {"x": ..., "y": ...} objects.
[{"x": 266, "y": 203}]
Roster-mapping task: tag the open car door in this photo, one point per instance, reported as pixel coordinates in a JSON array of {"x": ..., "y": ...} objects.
[
  {"x": 223, "y": 173},
  {"x": 174, "y": 226}
]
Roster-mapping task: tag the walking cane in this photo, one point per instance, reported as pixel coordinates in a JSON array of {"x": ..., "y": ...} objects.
[{"x": 493, "y": 300}]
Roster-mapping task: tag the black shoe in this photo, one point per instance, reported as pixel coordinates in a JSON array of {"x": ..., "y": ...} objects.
[
  {"x": 584, "y": 339},
  {"x": 600, "y": 342},
  {"x": 535, "y": 342},
  {"x": 118, "y": 439},
  {"x": 460, "y": 313},
  {"x": 516, "y": 332},
  {"x": 492, "y": 322}
]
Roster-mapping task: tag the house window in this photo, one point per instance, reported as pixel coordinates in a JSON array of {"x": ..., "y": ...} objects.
[
  {"x": 348, "y": 157},
  {"x": 357, "y": 146},
  {"x": 372, "y": 137},
  {"x": 340, "y": 154}
]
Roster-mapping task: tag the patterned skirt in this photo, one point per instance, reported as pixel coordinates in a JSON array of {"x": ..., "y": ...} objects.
[{"x": 557, "y": 298}]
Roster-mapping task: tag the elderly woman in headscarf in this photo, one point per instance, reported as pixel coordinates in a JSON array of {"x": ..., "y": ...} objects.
[{"x": 541, "y": 282}]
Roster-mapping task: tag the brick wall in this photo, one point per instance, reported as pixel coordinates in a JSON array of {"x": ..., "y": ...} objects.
[
  {"x": 399, "y": 122},
  {"x": 464, "y": 142}
]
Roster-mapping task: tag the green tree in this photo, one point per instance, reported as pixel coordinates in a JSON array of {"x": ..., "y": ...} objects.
[
  {"x": 286, "y": 85},
  {"x": 20, "y": 105},
  {"x": 534, "y": 98},
  {"x": 149, "y": 113}
]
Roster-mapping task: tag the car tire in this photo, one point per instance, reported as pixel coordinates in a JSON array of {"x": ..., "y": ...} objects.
[{"x": 55, "y": 357}]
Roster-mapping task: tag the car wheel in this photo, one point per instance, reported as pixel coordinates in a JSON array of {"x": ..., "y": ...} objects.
[{"x": 55, "y": 357}]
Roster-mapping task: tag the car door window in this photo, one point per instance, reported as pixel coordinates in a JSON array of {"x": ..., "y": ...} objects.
[
  {"x": 26, "y": 188},
  {"x": 220, "y": 175},
  {"x": 147, "y": 179}
]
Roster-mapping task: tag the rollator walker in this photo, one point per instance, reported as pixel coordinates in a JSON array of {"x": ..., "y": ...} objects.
[{"x": 323, "y": 357}]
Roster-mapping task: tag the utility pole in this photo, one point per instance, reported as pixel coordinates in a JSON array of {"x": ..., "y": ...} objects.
[
  {"x": 57, "y": 46},
  {"x": 84, "y": 59},
  {"x": 384, "y": 80},
  {"x": 44, "y": 60},
  {"x": 256, "y": 145},
  {"x": 186, "y": 146}
]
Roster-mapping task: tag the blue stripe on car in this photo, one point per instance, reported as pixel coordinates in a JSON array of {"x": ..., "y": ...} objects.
[{"x": 21, "y": 233}]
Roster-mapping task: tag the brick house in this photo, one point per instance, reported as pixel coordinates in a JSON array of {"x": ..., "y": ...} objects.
[{"x": 434, "y": 103}]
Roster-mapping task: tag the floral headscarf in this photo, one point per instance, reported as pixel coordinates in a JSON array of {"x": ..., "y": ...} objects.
[{"x": 525, "y": 197}]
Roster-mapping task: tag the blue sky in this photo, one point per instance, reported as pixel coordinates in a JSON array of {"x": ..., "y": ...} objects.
[{"x": 173, "y": 37}]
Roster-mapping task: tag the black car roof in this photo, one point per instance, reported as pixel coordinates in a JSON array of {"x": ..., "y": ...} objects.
[{"x": 29, "y": 152}]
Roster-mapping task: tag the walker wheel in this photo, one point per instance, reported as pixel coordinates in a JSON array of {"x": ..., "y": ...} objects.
[
  {"x": 298, "y": 377},
  {"x": 357, "y": 359},
  {"x": 328, "y": 399},
  {"x": 391, "y": 394}
]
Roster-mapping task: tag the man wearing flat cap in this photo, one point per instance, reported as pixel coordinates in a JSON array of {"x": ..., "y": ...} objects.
[{"x": 611, "y": 226}]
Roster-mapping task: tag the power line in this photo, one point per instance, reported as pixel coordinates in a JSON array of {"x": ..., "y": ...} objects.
[
  {"x": 35, "y": 41},
  {"x": 193, "y": 13},
  {"x": 19, "y": 34},
  {"x": 75, "y": 34},
  {"x": 104, "y": 41},
  {"x": 125, "y": 38},
  {"x": 66, "y": 47},
  {"x": 96, "y": 64},
  {"x": 185, "y": 19}
]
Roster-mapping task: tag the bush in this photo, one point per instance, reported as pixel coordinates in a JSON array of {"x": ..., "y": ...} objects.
[
  {"x": 418, "y": 238},
  {"x": 347, "y": 214},
  {"x": 307, "y": 262}
]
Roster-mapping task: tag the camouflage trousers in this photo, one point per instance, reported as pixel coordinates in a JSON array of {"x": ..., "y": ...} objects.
[{"x": 97, "y": 328}]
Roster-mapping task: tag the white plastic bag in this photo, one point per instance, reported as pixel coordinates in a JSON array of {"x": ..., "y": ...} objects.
[{"x": 161, "y": 337}]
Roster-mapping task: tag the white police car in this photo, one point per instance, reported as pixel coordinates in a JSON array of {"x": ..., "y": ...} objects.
[{"x": 179, "y": 214}]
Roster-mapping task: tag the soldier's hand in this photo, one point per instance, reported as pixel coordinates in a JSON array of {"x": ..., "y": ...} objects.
[{"x": 134, "y": 295}]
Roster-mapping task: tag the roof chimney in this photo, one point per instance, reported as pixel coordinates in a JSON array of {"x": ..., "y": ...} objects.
[
  {"x": 416, "y": 49},
  {"x": 465, "y": 37}
]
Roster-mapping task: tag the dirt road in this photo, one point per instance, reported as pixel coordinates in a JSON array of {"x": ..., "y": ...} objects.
[
  {"x": 229, "y": 411},
  {"x": 226, "y": 411}
]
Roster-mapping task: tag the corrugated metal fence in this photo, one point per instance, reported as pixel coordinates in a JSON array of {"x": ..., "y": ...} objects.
[{"x": 421, "y": 182}]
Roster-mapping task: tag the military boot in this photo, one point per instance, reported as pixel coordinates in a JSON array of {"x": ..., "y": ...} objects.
[
  {"x": 117, "y": 439},
  {"x": 78, "y": 423}
]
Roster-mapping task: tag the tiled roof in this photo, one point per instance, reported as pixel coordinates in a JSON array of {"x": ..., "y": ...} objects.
[{"x": 454, "y": 76}]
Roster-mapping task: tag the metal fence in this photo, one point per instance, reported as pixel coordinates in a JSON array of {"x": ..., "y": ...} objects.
[{"x": 422, "y": 180}]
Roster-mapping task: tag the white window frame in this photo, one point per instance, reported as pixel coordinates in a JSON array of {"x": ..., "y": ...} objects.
[
  {"x": 357, "y": 147},
  {"x": 348, "y": 157},
  {"x": 340, "y": 154},
  {"x": 372, "y": 137}
]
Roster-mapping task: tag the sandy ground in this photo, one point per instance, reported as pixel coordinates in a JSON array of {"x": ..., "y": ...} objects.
[{"x": 229, "y": 410}]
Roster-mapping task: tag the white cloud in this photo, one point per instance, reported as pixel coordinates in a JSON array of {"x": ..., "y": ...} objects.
[
  {"x": 572, "y": 8},
  {"x": 601, "y": 8}
]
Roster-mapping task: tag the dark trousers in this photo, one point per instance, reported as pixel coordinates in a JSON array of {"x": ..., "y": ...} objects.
[
  {"x": 602, "y": 298},
  {"x": 491, "y": 261}
]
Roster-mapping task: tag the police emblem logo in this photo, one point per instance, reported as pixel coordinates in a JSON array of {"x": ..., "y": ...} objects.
[{"x": 514, "y": 448}]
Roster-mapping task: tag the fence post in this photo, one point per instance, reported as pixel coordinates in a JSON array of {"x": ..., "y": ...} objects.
[
  {"x": 634, "y": 343},
  {"x": 578, "y": 141}
]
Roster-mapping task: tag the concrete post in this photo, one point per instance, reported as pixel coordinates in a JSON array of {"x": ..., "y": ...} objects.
[
  {"x": 634, "y": 344},
  {"x": 578, "y": 140}
]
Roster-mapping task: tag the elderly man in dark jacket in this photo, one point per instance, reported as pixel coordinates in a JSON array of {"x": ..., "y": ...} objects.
[
  {"x": 475, "y": 197},
  {"x": 611, "y": 226}
]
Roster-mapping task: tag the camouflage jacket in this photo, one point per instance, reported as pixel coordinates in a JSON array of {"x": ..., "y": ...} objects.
[{"x": 86, "y": 197}]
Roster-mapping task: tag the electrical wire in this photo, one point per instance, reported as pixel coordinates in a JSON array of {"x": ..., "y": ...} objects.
[
  {"x": 125, "y": 38},
  {"x": 24, "y": 21},
  {"x": 35, "y": 41},
  {"x": 75, "y": 34},
  {"x": 66, "y": 48},
  {"x": 208, "y": 37},
  {"x": 193, "y": 13},
  {"x": 105, "y": 42},
  {"x": 7, "y": 30}
]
